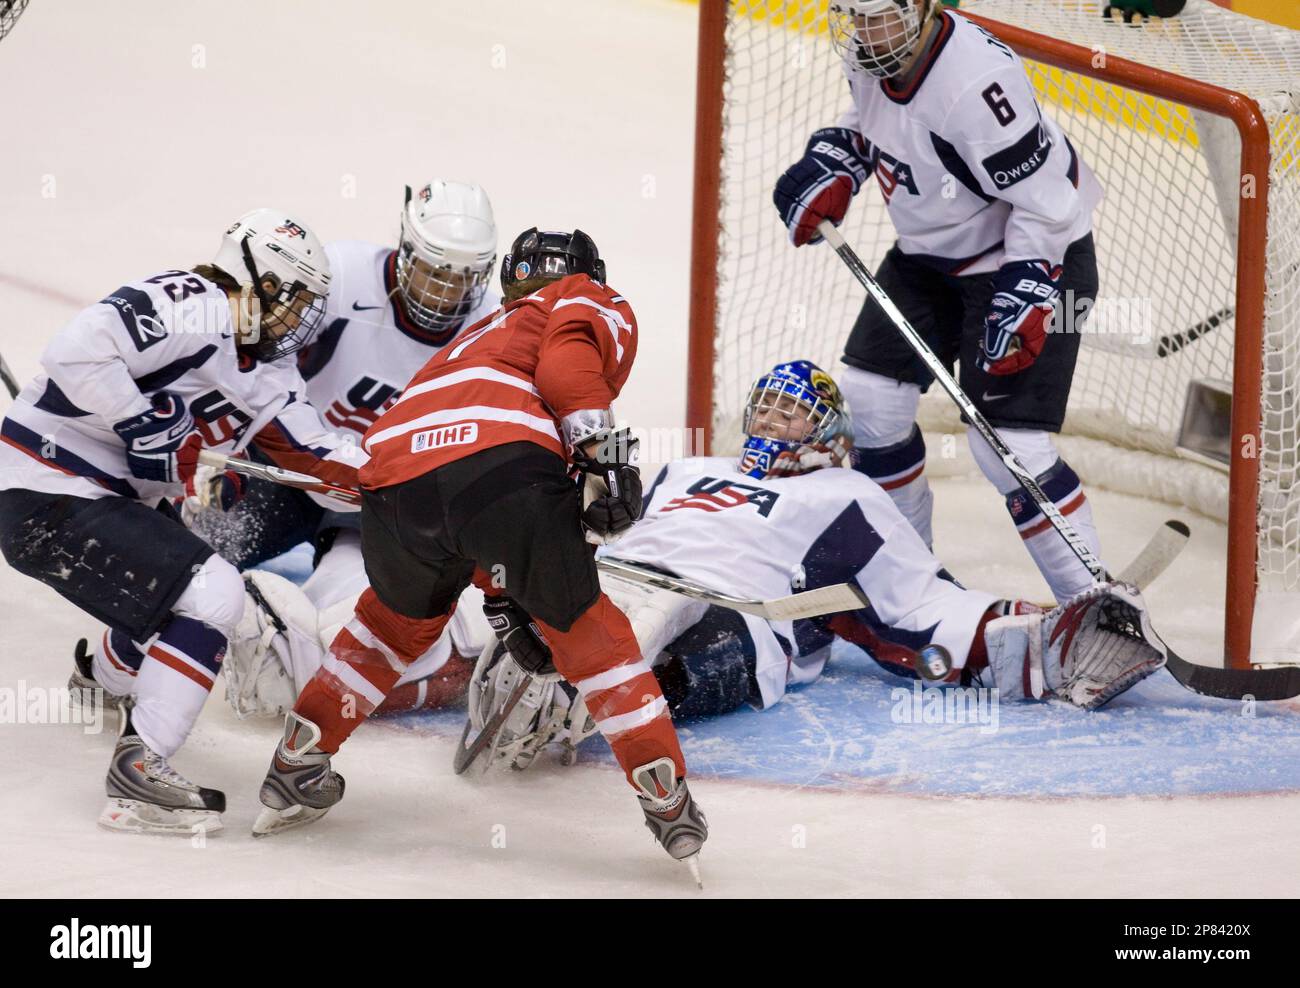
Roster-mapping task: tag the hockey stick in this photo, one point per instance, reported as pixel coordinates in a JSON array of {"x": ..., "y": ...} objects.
[
  {"x": 7, "y": 376},
  {"x": 278, "y": 475},
  {"x": 1170, "y": 539},
  {"x": 795, "y": 607},
  {"x": 1271, "y": 684},
  {"x": 466, "y": 753},
  {"x": 1168, "y": 345},
  {"x": 973, "y": 415}
]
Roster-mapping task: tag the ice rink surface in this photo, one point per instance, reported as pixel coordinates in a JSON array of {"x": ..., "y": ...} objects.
[{"x": 138, "y": 131}]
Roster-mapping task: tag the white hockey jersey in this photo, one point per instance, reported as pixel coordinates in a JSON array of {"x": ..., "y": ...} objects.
[
  {"x": 973, "y": 173},
  {"x": 706, "y": 522},
  {"x": 170, "y": 332},
  {"x": 368, "y": 350}
]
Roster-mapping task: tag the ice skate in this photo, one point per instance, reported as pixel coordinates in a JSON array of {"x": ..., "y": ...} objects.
[
  {"x": 673, "y": 817},
  {"x": 299, "y": 786},
  {"x": 146, "y": 795}
]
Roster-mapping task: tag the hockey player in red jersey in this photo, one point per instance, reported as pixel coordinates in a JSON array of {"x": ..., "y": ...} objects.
[{"x": 469, "y": 479}]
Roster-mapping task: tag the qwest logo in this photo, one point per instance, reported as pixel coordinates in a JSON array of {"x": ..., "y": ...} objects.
[
  {"x": 711, "y": 494},
  {"x": 77, "y": 942}
]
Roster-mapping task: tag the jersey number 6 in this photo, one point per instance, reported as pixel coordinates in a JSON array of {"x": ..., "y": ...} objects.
[{"x": 999, "y": 104}]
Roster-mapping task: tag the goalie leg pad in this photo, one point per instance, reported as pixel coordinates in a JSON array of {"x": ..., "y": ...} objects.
[{"x": 275, "y": 649}]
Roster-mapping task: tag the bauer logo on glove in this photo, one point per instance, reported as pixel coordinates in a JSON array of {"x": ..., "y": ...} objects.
[
  {"x": 820, "y": 185},
  {"x": 1016, "y": 327}
]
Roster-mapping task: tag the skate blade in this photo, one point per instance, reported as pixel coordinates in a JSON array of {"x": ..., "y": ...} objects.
[
  {"x": 692, "y": 862},
  {"x": 131, "y": 816},
  {"x": 271, "y": 821}
]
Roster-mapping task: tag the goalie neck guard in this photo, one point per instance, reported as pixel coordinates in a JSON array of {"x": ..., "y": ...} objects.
[{"x": 796, "y": 420}]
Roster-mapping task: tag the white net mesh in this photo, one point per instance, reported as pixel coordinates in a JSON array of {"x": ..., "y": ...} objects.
[{"x": 1166, "y": 239}]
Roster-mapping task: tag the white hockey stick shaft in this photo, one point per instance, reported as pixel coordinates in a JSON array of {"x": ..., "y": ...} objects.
[
  {"x": 973, "y": 415},
  {"x": 795, "y": 607}
]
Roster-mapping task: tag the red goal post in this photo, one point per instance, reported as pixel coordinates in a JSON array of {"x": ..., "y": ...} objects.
[{"x": 707, "y": 373}]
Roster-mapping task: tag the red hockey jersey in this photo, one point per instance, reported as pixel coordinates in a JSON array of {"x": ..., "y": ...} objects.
[{"x": 508, "y": 378}]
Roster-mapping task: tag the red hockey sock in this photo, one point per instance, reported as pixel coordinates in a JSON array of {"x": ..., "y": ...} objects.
[
  {"x": 600, "y": 656},
  {"x": 364, "y": 663}
]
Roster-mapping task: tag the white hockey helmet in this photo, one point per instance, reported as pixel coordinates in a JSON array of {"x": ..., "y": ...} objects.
[
  {"x": 269, "y": 246},
  {"x": 877, "y": 36},
  {"x": 446, "y": 255}
]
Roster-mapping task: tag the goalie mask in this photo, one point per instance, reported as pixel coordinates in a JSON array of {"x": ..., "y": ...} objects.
[
  {"x": 283, "y": 275},
  {"x": 446, "y": 254},
  {"x": 877, "y": 36},
  {"x": 796, "y": 420}
]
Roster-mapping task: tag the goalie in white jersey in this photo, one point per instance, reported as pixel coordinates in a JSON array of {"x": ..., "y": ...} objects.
[
  {"x": 784, "y": 519},
  {"x": 94, "y": 449},
  {"x": 994, "y": 263}
]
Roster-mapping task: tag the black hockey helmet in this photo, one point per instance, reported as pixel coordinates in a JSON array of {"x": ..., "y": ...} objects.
[{"x": 550, "y": 255}]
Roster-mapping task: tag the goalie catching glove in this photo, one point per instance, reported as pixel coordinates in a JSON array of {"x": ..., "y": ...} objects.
[
  {"x": 611, "y": 486},
  {"x": 1087, "y": 651}
]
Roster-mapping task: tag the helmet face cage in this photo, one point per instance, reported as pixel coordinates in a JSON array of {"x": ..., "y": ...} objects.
[
  {"x": 793, "y": 411},
  {"x": 436, "y": 295},
  {"x": 876, "y": 36},
  {"x": 284, "y": 320}
]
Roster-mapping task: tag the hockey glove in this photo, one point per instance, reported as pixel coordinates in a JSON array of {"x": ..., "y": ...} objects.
[
  {"x": 208, "y": 487},
  {"x": 1015, "y": 329},
  {"x": 611, "y": 493},
  {"x": 154, "y": 439},
  {"x": 519, "y": 634},
  {"x": 820, "y": 185}
]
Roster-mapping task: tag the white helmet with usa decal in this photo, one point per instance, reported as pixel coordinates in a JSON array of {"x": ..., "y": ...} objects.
[
  {"x": 446, "y": 255},
  {"x": 279, "y": 263}
]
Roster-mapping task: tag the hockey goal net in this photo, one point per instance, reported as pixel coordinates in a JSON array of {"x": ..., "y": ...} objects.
[{"x": 1188, "y": 382}]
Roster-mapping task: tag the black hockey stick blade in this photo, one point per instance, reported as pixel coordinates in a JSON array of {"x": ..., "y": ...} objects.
[
  {"x": 1280, "y": 683},
  {"x": 1168, "y": 345},
  {"x": 467, "y": 753}
]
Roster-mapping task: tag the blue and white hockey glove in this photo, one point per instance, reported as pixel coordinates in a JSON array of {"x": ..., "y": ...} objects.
[
  {"x": 1024, "y": 298},
  {"x": 154, "y": 439},
  {"x": 820, "y": 185}
]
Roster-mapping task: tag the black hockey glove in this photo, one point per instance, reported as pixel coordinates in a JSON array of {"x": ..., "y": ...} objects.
[
  {"x": 611, "y": 499},
  {"x": 519, "y": 634}
]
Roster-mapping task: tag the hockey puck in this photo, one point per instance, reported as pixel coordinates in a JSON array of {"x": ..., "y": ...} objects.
[{"x": 934, "y": 663}]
